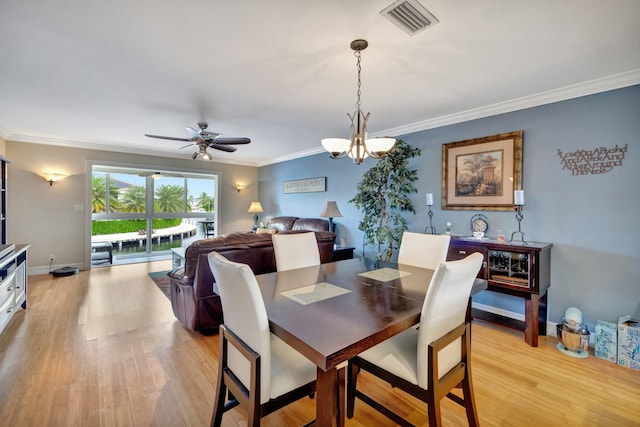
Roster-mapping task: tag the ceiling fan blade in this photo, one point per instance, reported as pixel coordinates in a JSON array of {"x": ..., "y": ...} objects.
[
  {"x": 171, "y": 138},
  {"x": 194, "y": 133},
  {"x": 226, "y": 148},
  {"x": 231, "y": 140}
]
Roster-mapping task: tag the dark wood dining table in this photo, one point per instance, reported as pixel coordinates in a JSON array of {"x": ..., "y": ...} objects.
[{"x": 373, "y": 301}]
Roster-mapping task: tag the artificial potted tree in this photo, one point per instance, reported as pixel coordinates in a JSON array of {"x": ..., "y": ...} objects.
[{"x": 383, "y": 194}]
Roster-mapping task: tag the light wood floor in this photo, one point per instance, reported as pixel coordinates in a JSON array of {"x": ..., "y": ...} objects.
[{"x": 103, "y": 349}]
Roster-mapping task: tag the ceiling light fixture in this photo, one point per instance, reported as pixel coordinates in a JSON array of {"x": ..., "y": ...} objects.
[{"x": 358, "y": 147}]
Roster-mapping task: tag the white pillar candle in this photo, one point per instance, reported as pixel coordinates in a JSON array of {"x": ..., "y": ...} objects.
[
  {"x": 518, "y": 197},
  {"x": 429, "y": 199}
]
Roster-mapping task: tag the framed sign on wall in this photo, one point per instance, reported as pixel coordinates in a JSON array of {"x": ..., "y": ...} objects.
[
  {"x": 481, "y": 173},
  {"x": 309, "y": 185}
]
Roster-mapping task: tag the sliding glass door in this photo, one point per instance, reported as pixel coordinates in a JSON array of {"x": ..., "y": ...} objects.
[{"x": 143, "y": 213}]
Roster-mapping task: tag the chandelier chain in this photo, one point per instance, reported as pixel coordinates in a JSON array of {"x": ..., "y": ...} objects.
[{"x": 357, "y": 55}]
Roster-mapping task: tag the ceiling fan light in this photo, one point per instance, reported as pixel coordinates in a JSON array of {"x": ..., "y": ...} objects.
[
  {"x": 336, "y": 146},
  {"x": 380, "y": 146},
  {"x": 206, "y": 156}
]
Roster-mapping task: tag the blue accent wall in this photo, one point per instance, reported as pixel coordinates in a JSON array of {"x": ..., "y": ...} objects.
[{"x": 593, "y": 220}]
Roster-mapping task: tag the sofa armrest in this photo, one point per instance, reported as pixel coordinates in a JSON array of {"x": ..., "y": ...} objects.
[{"x": 179, "y": 275}]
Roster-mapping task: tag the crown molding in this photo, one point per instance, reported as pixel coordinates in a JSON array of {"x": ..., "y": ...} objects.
[
  {"x": 293, "y": 156},
  {"x": 616, "y": 81}
]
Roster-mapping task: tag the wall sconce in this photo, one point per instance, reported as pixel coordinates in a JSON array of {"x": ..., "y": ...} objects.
[
  {"x": 239, "y": 187},
  {"x": 52, "y": 177}
]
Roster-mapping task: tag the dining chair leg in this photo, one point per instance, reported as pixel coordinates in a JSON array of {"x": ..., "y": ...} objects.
[
  {"x": 221, "y": 388},
  {"x": 467, "y": 382},
  {"x": 469, "y": 401},
  {"x": 433, "y": 409},
  {"x": 352, "y": 375},
  {"x": 218, "y": 409}
]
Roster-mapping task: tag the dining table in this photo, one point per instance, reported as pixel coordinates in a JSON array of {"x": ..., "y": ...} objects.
[{"x": 332, "y": 312}]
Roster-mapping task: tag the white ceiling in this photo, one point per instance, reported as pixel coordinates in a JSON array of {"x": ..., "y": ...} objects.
[{"x": 102, "y": 74}]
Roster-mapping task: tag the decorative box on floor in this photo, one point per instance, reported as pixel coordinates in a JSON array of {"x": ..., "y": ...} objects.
[
  {"x": 607, "y": 341},
  {"x": 629, "y": 342}
]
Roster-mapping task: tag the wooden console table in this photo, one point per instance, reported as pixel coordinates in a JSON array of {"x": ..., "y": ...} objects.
[{"x": 513, "y": 268}]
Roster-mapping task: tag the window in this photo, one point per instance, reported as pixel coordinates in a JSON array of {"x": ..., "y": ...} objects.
[{"x": 144, "y": 212}]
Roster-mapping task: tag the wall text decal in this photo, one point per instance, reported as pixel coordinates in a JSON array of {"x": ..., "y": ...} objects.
[{"x": 597, "y": 161}]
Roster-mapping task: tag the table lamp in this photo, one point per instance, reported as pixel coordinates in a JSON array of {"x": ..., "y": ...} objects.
[
  {"x": 331, "y": 211},
  {"x": 255, "y": 208}
]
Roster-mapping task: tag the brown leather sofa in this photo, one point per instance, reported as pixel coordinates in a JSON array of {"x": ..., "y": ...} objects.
[{"x": 193, "y": 298}]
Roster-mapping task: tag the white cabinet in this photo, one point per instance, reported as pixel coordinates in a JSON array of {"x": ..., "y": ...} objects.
[{"x": 13, "y": 284}]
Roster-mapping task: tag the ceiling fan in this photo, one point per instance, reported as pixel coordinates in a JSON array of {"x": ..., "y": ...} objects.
[{"x": 203, "y": 139}]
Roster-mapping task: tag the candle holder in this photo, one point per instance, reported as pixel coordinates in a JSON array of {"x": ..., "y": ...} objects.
[
  {"x": 519, "y": 218},
  {"x": 430, "y": 229}
]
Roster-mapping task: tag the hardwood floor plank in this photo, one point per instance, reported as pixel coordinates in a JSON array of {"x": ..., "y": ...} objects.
[{"x": 103, "y": 348}]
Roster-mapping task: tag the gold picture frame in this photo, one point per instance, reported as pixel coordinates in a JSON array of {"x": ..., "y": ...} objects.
[{"x": 482, "y": 173}]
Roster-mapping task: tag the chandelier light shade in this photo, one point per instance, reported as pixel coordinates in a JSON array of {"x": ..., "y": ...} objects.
[
  {"x": 330, "y": 211},
  {"x": 358, "y": 147},
  {"x": 255, "y": 209}
]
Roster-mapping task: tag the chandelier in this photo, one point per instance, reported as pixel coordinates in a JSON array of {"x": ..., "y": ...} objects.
[{"x": 358, "y": 147}]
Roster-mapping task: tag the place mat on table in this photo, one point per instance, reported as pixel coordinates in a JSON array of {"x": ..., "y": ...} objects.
[
  {"x": 314, "y": 293},
  {"x": 384, "y": 274}
]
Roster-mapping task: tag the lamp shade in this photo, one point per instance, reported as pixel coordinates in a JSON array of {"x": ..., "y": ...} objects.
[
  {"x": 380, "y": 146},
  {"x": 255, "y": 207},
  {"x": 330, "y": 210},
  {"x": 336, "y": 146}
]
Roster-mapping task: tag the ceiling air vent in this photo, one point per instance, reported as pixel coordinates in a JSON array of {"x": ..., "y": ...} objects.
[{"x": 410, "y": 16}]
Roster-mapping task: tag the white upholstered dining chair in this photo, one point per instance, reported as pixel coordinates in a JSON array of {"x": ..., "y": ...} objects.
[
  {"x": 430, "y": 361},
  {"x": 423, "y": 250},
  {"x": 258, "y": 370},
  {"x": 296, "y": 250}
]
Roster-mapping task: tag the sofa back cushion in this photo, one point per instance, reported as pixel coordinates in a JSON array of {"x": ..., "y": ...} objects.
[
  {"x": 311, "y": 224},
  {"x": 281, "y": 223},
  {"x": 289, "y": 223}
]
